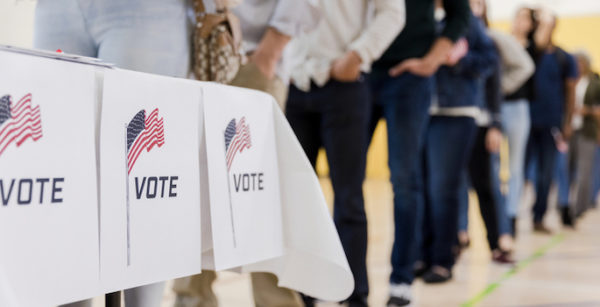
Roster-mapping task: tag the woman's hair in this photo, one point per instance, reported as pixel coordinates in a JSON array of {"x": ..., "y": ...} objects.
[{"x": 534, "y": 21}]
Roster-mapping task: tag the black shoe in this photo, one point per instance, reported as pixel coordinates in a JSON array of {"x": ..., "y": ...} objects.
[
  {"x": 357, "y": 302},
  {"x": 567, "y": 217},
  {"x": 420, "y": 268},
  {"x": 540, "y": 228},
  {"x": 437, "y": 275},
  {"x": 308, "y": 301},
  {"x": 397, "y": 302}
]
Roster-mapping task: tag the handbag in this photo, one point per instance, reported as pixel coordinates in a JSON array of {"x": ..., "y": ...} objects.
[{"x": 217, "y": 50}]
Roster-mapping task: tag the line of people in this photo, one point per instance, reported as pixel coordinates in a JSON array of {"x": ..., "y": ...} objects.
[{"x": 449, "y": 88}]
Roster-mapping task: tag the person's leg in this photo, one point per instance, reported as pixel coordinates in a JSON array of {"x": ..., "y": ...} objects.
[
  {"x": 267, "y": 294},
  {"x": 563, "y": 179},
  {"x": 149, "y": 36},
  {"x": 305, "y": 121},
  {"x": 463, "y": 207},
  {"x": 448, "y": 143},
  {"x": 196, "y": 290},
  {"x": 596, "y": 179},
  {"x": 585, "y": 166},
  {"x": 481, "y": 178},
  {"x": 304, "y": 118},
  {"x": 547, "y": 162},
  {"x": 145, "y": 296},
  {"x": 406, "y": 100},
  {"x": 345, "y": 118},
  {"x": 516, "y": 124},
  {"x": 264, "y": 285},
  {"x": 60, "y": 24}
]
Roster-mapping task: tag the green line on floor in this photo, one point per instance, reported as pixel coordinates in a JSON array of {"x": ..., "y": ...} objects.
[{"x": 520, "y": 266}]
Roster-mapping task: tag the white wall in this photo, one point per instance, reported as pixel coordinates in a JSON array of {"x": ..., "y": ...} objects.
[
  {"x": 16, "y": 22},
  {"x": 505, "y": 9}
]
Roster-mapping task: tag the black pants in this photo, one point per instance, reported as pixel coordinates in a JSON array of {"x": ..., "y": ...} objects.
[
  {"x": 335, "y": 117},
  {"x": 480, "y": 173}
]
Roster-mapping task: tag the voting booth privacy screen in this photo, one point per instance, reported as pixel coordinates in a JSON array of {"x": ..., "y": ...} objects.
[{"x": 112, "y": 179}]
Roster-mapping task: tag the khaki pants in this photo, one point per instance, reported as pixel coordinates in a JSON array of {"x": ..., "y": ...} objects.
[{"x": 196, "y": 291}]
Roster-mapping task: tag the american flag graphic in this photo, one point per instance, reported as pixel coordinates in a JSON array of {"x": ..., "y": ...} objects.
[
  {"x": 237, "y": 138},
  {"x": 143, "y": 133},
  {"x": 19, "y": 122}
]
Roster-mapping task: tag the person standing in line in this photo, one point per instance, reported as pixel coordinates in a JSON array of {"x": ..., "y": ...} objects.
[
  {"x": 151, "y": 36},
  {"x": 267, "y": 27},
  {"x": 514, "y": 69},
  {"x": 401, "y": 87},
  {"x": 449, "y": 140},
  {"x": 551, "y": 111},
  {"x": 329, "y": 106},
  {"x": 516, "y": 120},
  {"x": 583, "y": 149}
]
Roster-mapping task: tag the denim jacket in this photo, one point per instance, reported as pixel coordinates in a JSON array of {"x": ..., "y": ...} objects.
[{"x": 462, "y": 84}]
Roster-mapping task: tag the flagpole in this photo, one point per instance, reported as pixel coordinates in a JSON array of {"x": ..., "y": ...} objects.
[
  {"x": 127, "y": 200},
  {"x": 230, "y": 203}
]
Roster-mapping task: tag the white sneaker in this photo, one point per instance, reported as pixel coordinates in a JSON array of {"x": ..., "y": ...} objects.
[{"x": 400, "y": 295}]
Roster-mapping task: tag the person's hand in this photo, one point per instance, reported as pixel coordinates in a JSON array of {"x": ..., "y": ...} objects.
[
  {"x": 265, "y": 63},
  {"x": 493, "y": 140},
  {"x": 347, "y": 67},
  {"x": 269, "y": 51},
  {"x": 458, "y": 51},
  {"x": 418, "y": 66}
]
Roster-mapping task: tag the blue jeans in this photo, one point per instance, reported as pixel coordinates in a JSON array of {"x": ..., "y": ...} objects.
[
  {"x": 404, "y": 102},
  {"x": 516, "y": 123},
  {"x": 564, "y": 176},
  {"x": 151, "y": 36},
  {"x": 336, "y": 117},
  {"x": 447, "y": 150},
  {"x": 541, "y": 149}
]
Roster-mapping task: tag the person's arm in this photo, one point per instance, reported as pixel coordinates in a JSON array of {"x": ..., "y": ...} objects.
[
  {"x": 482, "y": 57},
  {"x": 570, "y": 81},
  {"x": 519, "y": 66},
  {"x": 269, "y": 51},
  {"x": 289, "y": 19},
  {"x": 493, "y": 100},
  {"x": 570, "y": 85},
  {"x": 458, "y": 13},
  {"x": 389, "y": 20}
]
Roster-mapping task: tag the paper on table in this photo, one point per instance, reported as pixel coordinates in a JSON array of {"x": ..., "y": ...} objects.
[
  {"x": 244, "y": 180},
  {"x": 49, "y": 217},
  {"x": 7, "y": 298},
  {"x": 314, "y": 261},
  {"x": 150, "y": 201}
]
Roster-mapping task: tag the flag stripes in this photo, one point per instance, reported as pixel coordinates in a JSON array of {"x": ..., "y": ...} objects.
[
  {"x": 25, "y": 122},
  {"x": 152, "y": 135}
]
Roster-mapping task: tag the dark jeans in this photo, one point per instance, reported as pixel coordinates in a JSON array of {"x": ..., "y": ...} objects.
[
  {"x": 541, "y": 150},
  {"x": 335, "y": 117},
  {"x": 485, "y": 180},
  {"x": 404, "y": 102},
  {"x": 447, "y": 149}
]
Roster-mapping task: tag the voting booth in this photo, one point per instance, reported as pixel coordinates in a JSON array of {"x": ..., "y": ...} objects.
[{"x": 112, "y": 179}]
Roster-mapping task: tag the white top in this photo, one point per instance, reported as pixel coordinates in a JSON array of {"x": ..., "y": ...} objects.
[
  {"x": 580, "y": 91},
  {"x": 365, "y": 26}
]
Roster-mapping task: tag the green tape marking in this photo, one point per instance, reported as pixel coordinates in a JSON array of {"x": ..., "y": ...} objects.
[{"x": 520, "y": 266}]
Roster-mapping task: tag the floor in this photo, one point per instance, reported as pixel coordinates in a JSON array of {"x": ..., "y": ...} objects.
[{"x": 562, "y": 269}]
